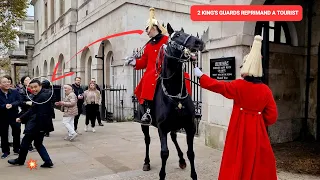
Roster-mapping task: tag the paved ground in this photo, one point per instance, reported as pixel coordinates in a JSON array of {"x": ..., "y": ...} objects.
[{"x": 115, "y": 152}]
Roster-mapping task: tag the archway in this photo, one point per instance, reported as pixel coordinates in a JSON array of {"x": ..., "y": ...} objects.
[
  {"x": 51, "y": 66},
  {"x": 37, "y": 72},
  {"x": 89, "y": 70},
  {"x": 107, "y": 61},
  {"x": 45, "y": 69},
  {"x": 86, "y": 66},
  {"x": 61, "y": 69}
]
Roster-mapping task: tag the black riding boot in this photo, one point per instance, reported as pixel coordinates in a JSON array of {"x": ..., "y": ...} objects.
[{"x": 146, "y": 118}]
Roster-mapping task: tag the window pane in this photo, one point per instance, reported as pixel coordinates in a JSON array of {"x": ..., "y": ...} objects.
[
  {"x": 271, "y": 34},
  {"x": 271, "y": 23},
  {"x": 282, "y": 36}
]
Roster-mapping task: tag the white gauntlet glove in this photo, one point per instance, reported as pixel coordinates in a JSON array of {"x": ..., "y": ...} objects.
[
  {"x": 130, "y": 61},
  {"x": 29, "y": 103},
  {"x": 197, "y": 72}
]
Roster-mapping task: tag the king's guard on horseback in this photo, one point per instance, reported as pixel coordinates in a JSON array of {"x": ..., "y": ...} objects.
[{"x": 146, "y": 88}]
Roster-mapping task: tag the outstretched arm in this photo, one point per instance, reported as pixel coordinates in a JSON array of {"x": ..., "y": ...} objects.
[
  {"x": 270, "y": 112},
  {"x": 227, "y": 89}
]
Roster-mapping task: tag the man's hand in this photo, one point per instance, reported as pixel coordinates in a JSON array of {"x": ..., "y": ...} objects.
[
  {"x": 18, "y": 120},
  {"x": 130, "y": 61},
  {"x": 197, "y": 72},
  {"x": 80, "y": 96},
  {"x": 29, "y": 103},
  {"x": 57, "y": 103},
  {"x": 8, "y": 106}
]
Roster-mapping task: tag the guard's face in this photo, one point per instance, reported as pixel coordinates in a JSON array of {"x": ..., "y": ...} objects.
[
  {"x": 35, "y": 88},
  {"x": 152, "y": 33},
  {"x": 93, "y": 81}
]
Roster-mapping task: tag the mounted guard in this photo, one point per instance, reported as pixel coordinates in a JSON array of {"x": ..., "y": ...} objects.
[{"x": 146, "y": 88}]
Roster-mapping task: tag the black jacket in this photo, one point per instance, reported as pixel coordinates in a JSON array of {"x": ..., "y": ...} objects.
[
  {"x": 39, "y": 117},
  {"x": 78, "y": 90},
  {"x": 24, "y": 99},
  {"x": 13, "y": 98}
]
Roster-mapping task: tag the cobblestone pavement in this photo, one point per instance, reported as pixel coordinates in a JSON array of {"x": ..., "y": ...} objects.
[{"x": 115, "y": 152}]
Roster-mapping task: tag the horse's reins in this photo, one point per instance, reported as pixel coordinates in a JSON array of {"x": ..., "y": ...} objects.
[{"x": 186, "y": 52}]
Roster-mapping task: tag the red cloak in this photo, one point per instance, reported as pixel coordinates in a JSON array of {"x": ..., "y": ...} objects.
[
  {"x": 147, "y": 85},
  {"x": 247, "y": 152}
]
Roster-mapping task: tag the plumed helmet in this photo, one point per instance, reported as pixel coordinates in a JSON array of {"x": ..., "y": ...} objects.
[
  {"x": 152, "y": 21},
  {"x": 252, "y": 62}
]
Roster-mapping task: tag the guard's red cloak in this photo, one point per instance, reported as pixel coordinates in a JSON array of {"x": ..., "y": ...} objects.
[
  {"x": 147, "y": 85},
  {"x": 247, "y": 152}
]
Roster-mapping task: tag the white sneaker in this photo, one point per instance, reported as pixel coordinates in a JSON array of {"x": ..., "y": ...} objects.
[
  {"x": 86, "y": 128},
  {"x": 93, "y": 130},
  {"x": 67, "y": 138},
  {"x": 73, "y": 136}
]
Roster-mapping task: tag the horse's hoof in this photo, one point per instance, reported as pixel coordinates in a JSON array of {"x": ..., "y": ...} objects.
[
  {"x": 146, "y": 167},
  {"x": 182, "y": 164}
]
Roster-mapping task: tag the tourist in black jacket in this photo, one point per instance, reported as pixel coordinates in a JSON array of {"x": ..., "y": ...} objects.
[
  {"x": 47, "y": 85},
  {"x": 77, "y": 89},
  {"x": 38, "y": 120},
  {"x": 26, "y": 97}
]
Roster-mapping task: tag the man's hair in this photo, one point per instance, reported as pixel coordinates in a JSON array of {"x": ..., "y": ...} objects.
[
  {"x": 77, "y": 78},
  {"x": 35, "y": 81},
  {"x": 8, "y": 77}
]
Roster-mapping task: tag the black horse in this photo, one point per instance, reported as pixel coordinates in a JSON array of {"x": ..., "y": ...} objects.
[{"x": 172, "y": 108}]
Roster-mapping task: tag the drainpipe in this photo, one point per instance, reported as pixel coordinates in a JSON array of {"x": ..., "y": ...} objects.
[
  {"x": 307, "y": 92},
  {"x": 318, "y": 98},
  {"x": 265, "y": 55}
]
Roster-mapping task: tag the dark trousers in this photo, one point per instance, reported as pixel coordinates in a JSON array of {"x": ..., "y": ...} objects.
[
  {"x": 76, "y": 120},
  {"x": 91, "y": 114},
  {"x": 98, "y": 115},
  {"x": 38, "y": 143},
  {"x": 16, "y": 130}
]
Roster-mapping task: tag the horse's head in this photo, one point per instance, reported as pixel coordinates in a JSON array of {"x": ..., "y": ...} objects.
[{"x": 183, "y": 43}]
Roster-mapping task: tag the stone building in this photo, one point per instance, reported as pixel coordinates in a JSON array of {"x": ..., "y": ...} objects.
[
  {"x": 292, "y": 45},
  {"x": 21, "y": 57},
  {"x": 64, "y": 27}
]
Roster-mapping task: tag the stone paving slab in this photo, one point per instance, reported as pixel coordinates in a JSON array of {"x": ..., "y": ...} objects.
[{"x": 116, "y": 152}]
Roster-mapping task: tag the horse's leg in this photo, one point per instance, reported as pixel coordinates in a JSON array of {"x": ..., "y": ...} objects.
[
  {"x": 164, "y": 153},
  {"x": 190, "y": 153},
  {"x": 182, "y": 161},
  {"x": 145, "y": 130}
]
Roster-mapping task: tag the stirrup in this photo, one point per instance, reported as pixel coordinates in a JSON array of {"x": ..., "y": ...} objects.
[{"x": 145, "y": 116}]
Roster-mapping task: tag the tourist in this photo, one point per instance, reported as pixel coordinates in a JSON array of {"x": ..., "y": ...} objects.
[
  {"x": 247, "y": 152},
  {"x": 77, "y": 89},
  {"x": 26, "y": 96},
  {"x": 9, "y": 103},
  {"x": 38, "y": 120},
  {"x": 70, "y": 110},
  {"x": 47, "y": 85},
  {"x": 92, "y": 101},
  {"x": 93, "y": 80}
]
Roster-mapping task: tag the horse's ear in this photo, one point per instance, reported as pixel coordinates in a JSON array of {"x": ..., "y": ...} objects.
[
  {"x": 169, "y": 29},
  {"x": 182, "y": 30}
]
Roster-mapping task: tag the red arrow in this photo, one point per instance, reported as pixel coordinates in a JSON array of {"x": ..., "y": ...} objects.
[{"x": 54, "y": 78}]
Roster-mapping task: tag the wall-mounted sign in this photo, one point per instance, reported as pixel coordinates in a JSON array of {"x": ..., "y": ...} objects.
[{"x": 223, "y": 68}]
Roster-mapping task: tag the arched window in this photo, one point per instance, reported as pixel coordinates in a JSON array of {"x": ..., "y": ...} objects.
[{"x": 278, "y": 32}]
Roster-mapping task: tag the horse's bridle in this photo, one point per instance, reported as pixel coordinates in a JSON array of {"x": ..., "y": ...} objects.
[{"x": 184, "y": 52}]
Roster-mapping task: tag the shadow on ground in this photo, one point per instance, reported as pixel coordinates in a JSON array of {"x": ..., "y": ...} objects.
[{"x": 298, "y": 157}]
